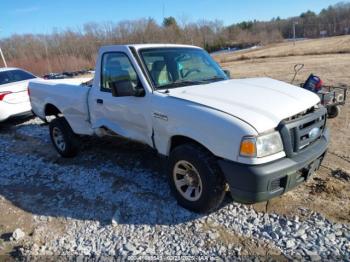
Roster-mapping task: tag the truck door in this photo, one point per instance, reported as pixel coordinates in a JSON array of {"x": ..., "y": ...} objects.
[{"x": 126, "y": 115}]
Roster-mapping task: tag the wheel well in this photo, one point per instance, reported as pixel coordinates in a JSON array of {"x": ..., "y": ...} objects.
[
  {"x": 51, "y": 110},
  {"x": 181, "y": 140}
]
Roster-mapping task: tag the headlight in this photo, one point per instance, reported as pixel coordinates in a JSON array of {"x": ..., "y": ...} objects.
[{"x": 261, "y": 146}]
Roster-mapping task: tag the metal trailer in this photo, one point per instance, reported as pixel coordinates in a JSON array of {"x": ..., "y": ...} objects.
[{"x": 332, "y": 97}]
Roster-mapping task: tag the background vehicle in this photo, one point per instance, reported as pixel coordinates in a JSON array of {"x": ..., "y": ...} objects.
[
  {"x": 65, "y": 75},
  {"x": 14, "y": 99},
  {"x": 55, "y": 76},
  {"x": 260, "y": 136}
]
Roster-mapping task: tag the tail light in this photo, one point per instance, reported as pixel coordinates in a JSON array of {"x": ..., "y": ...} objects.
[{"x": 3, "y": 94}]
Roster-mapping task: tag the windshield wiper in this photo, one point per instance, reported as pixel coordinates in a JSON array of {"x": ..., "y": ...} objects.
[
  {"x": 214, "y": 79},
  {"x": 180, "y": 84}
]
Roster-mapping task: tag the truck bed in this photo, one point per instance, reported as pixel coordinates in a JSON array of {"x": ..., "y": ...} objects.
[{"x": 69, "y": 95}]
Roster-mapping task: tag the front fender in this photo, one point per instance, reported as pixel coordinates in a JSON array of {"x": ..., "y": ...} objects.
[{"x": 219, "y": 132}]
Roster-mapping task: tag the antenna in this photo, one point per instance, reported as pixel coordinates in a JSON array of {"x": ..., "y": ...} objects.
[
  {"x": 47, "y": 54},
  {"x": 163, "y": 10},
  {"x": 2, "y": 56},
  {"x": 294, "y": 33}
]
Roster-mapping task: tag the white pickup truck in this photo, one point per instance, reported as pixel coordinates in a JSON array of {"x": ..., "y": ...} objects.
[{"x": 256, "y": 137}]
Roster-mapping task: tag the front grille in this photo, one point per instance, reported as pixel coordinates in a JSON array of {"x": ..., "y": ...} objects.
[{"x": 295, "y": 131}]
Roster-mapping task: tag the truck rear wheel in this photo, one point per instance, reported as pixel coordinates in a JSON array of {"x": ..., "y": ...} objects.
[
  {"x": 195, "y": 178},
  {"x": 63, "y": 137}
]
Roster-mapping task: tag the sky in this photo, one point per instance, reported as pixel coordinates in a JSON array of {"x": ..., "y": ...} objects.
[{"x": 43, "y": 16}]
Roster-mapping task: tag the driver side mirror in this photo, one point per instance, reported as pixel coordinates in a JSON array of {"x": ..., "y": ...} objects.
[
  {"x": 227, "y": 73},
  {"x": 121, "y": 88}
]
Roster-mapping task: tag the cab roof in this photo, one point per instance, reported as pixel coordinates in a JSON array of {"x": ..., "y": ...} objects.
[{"x": 142, "y": 46}]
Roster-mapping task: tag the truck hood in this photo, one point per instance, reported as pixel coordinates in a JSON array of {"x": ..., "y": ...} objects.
[{"x": 261, "y": 102}]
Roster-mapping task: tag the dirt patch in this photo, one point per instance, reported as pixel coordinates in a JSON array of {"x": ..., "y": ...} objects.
[
  {"x": 244, "y": 246},
  {"x": 36, "y": 231},
  {"x": 12, "y": 218},
  {"x": 323, "y": 194},
  {"x": 328, "y": 187},
  {"x": 341, "y": 174}
]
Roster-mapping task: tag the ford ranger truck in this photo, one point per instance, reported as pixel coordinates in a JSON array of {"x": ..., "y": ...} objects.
[{"x": 257, "y": 137}]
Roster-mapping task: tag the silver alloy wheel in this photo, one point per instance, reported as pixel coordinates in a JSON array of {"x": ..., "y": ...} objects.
[
  {"x": 58, "y": 138},
  {"x": 187, "y": 180}
]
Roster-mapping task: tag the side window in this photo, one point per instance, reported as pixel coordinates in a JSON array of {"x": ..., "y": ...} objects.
[
  {"x": 4, "y": 78},
  {"x": 116, "y": 67},
  {"x": 19, "y": 75},
  {"x": 12, "y": 76}
]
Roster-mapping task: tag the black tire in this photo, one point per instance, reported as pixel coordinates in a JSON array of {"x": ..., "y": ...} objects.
[
  {"x": 212, "y": 180},
  {"x": 70, "y": 140},
  {"x": 333, "y": 111}
]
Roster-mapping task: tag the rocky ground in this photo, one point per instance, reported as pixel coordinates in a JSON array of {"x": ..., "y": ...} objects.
[{"x": 113, "y": 200}]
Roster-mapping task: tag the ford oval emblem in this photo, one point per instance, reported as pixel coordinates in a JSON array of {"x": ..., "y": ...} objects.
[{"x": 313, "y": 134}]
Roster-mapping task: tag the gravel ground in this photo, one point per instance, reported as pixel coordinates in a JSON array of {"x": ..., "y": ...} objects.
[{"x": 113, "y": 200}]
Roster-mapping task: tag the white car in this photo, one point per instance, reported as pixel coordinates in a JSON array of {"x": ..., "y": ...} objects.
[
  {"x": 259, "y": 136},
  {"x": 14, "y": 98}
]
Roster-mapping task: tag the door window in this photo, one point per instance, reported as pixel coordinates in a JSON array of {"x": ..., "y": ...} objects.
[{"x": 116, "y": 67}]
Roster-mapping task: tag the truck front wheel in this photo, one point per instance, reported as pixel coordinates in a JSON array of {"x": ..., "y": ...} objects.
[
  {"x": 63, "y": 137},
  {"x": 195, "y": 178}
]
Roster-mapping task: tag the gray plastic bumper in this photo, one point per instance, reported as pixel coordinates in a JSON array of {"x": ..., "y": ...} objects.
[{"x": 256, "y": 183}]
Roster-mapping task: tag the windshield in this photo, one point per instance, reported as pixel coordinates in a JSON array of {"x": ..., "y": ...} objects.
[
  {"x": 12, "y": 76},
  {"x": 176, "y": 67}
]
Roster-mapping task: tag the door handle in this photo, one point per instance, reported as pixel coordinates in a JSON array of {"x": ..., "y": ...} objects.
[{"x": 99, "y": 101}]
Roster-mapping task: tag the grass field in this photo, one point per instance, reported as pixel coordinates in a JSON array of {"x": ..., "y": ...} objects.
[{"x": 328, "y": 58}]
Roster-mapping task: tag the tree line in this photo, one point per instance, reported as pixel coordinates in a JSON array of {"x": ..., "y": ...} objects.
[{"x": 71, "y": 50}]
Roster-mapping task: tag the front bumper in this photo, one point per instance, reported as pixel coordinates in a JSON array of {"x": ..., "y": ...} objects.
[{"x": 257, "y": 183}]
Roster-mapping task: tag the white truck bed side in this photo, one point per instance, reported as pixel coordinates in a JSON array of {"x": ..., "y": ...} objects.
[{"x": 71, "y": 99}]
